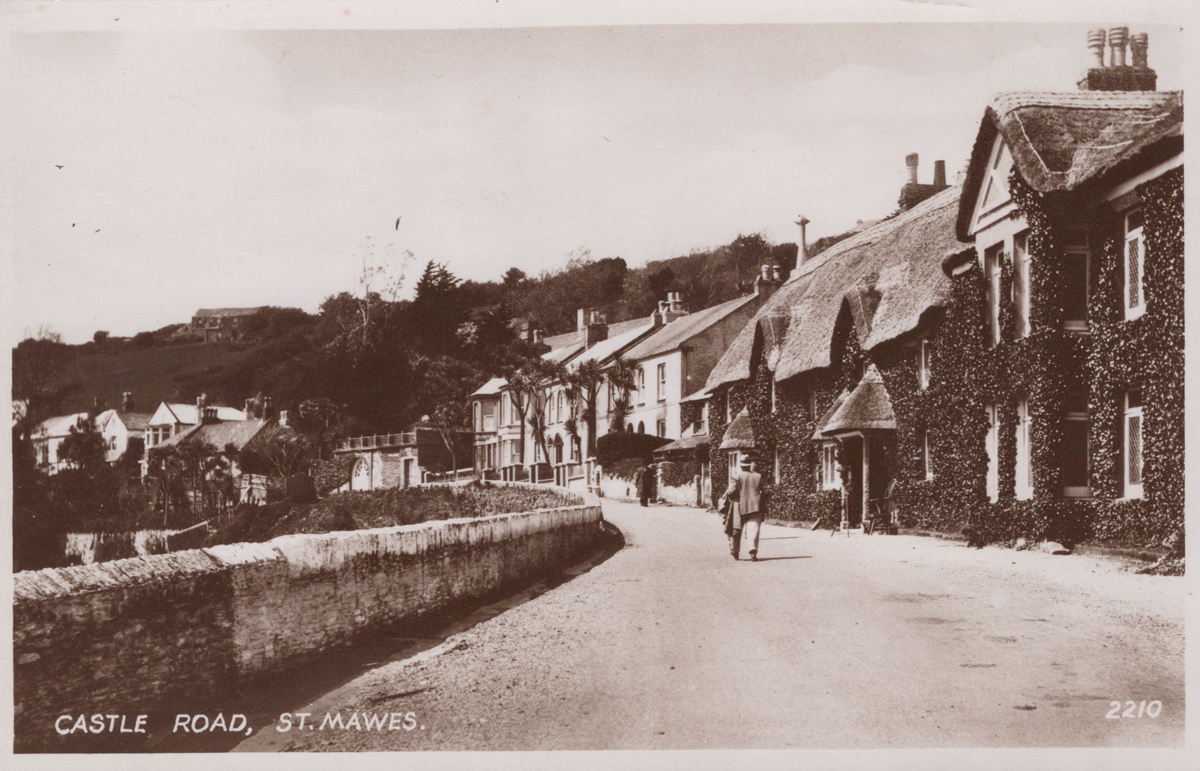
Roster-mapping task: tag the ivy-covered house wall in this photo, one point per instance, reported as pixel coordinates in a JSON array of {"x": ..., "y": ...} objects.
[{"x": 965, "y": 374}]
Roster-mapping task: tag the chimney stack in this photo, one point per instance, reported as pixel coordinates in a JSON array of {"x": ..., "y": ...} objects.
[
  {"x": 1118, "y": 76},
  {"x": 939, "y": 174},
  {"x": 249, "y": 408},
  {"x": 267, "y": 410},
  {"x": 283, "y": 418},
  {"x": 911, "y": 160},
  {"x": 201, "y": 403},
  {"x": 802, "y": 255},
  {"x": 1117, "y": 38},
  {"x": 1139, "y": 47},
  {"x": 127, "y": 401},
  {"x": 580, "y": 319},
  {"x": 913, "y": 191},
  {"x": 765, "y": 285},
  {"x": 596, "y": 330}
]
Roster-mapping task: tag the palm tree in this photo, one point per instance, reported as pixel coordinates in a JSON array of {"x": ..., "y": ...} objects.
[
  {"x": 530, "y": 391},
  {"x": 583, "y": 384},
  {"x": 621, "y": 378}
]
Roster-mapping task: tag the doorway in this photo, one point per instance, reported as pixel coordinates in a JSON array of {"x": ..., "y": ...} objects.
[{"x": 852, "y": 462}]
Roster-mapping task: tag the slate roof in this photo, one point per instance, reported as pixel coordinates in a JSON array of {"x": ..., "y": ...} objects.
[
  {"x": 492, "y": 387},
  {"x": 227, "y": 312},
  {"x": 135, "y": 421},
  {"x": 605, "y": 349},
  {"x": 239, "y": 433},
  {"x": 576, "y": 337},
  {"x": 1062, "y": 141},
  {"x": 59, "y": 425},
  {"x": 684, "y": 328},
  {"x": 868, "y": 407},
  {"x": 686, "y": 443},
  {"x": 889, "y": 274}
]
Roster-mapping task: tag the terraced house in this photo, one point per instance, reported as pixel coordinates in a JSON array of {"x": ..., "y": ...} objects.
[{"x": 1006, "y": 356}]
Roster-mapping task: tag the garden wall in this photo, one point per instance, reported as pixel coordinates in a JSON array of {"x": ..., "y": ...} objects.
[{"x": 170, "y": 631}]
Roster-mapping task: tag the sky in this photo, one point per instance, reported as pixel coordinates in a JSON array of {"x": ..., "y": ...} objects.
[{"x": 157, "y": 171}]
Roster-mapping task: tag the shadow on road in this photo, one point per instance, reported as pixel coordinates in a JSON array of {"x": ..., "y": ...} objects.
[
  {"x": 771, "y": 559},
  {"x": 262, "y": 701}
]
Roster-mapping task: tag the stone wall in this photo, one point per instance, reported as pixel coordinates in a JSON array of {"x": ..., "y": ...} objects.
[{"x": 170, "y": 631}]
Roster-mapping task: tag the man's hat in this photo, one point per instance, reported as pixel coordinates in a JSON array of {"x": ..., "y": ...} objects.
[{"x": 745, "y": 462}]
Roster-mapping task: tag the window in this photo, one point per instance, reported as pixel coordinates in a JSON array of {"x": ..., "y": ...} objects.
[
  {"x": 661, "y": 428},
  {"x": 662, "y": 382},
  {"x": 1135, "y": 265},
  {"x": 993, "y": 471},
  {"x": 991, "y": 271},
  {"x": 1024, "y": 467},
  {"x": 775, "y": 464},
  {"x": 926, "y": 469},
  {"x": 478, "y": 423},
  {"x": 1132, "y": 429},
  {"x": 641, "y": 427},
  {"x": 831, "y": 476},
  {"x": 1020, "y": 287},
  {"x": 922, "y": 360},
  {"x": 1076, "y": 465},
  {"x": 1079, "y": 280},
  {"x": 576, "y": 449},
  {"x": 641, "y": 386},
  {"x": 733, "y": 464},
  {"x": 561, "y": 408}
]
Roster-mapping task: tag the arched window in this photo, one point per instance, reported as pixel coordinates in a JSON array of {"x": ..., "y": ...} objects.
[
  {"x": 361, "y": 479},
  {"x": 641, "y": 427},
  {"x": 558, "y": 449}
]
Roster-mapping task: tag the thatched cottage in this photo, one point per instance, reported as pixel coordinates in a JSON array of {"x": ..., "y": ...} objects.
[{"x": 1006, "y": 356}]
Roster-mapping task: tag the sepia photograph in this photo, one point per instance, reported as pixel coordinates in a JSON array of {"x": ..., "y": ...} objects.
[{"x": 510, "y": 385}]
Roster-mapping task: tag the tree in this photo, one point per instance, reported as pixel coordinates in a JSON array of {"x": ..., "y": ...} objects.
[
  {"x": 621, "y": 379},
  {"x": 37, "y": 363},
  {"x": 513, "y": 278},
  {"x": 84, "y": 448},
  {"x": 529, "y": 384},
  {"x": 583, "y": 383},
  {"x": 100, "y": 338},
  {"x": 448, "y": 383},
  {"x": 436, "y": 311}
]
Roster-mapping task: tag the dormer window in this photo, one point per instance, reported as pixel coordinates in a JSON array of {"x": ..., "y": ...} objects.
[{"x": 1135, "y": 266}]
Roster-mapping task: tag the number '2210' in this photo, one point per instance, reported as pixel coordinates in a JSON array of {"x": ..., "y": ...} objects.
[{"x": 1134, "y": 709}]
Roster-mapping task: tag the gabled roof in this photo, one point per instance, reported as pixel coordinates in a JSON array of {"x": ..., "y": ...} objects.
[
  {"x": 187, "y": 415},
  {"x": 492, "y": 387},
  {"x": 678, "y": 332},
  {"x": 889, "y": 274},
  {"x": 1062, "y": 141},
  {"x": 867, "y": 408},
  {"x": 59, "y": 425}
]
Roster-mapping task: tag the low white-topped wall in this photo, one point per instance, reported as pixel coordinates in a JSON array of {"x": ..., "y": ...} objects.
[{"x": 166, "y": 631}]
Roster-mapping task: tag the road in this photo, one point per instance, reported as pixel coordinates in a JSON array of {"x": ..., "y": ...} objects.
[{"x": 826, "y": 642}]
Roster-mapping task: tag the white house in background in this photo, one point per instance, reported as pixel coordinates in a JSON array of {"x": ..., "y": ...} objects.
[
  {"x": 675, "y": 361},
  {"x": 48, "y": 436}
]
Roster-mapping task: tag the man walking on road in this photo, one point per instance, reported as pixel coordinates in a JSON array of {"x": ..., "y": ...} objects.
[
  {"x": 744, "y": 498},
  {"x": 642, "y": 482}
]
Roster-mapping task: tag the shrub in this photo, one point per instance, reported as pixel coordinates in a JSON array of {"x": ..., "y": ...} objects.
[{"x": 614, "y": 447}]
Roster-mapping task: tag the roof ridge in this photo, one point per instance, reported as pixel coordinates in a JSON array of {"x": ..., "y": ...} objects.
[{"x": 879, "y": 230}]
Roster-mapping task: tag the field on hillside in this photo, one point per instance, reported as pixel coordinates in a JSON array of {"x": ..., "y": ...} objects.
[{"x": 149, "y": 373}]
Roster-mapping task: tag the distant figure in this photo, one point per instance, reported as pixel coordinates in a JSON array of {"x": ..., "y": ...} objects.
[
  {"x": 745, "y": 509},
  {"x": 642, "y": 481}
]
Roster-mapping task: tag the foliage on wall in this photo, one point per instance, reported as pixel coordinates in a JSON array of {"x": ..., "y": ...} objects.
[{"x": 1043, "y": 368}]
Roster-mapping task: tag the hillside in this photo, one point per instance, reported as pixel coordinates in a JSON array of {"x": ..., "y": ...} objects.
[{"x": 149, "y": 373}]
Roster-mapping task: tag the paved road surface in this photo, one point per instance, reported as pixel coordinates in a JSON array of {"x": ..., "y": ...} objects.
[{"x": 827, "y": 642}]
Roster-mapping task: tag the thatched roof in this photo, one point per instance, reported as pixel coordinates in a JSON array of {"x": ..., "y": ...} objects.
[
  {"x": 889, "y": 274},
  {"x": 740, "y": 434},
  {"x": 868, "y": 407},
  {"x": 1063, "y": 141},
  {"x": 828, "y": 414}
]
